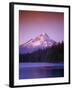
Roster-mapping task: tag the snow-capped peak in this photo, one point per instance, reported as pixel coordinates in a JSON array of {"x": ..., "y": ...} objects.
[{"x": 40, "y": 42}]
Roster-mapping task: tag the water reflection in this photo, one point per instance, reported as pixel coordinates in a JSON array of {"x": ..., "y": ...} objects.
[{"x": 41, "y": 71}]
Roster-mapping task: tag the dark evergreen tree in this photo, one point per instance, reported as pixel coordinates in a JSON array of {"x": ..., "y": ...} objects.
[{"x": 51, "y": 54}]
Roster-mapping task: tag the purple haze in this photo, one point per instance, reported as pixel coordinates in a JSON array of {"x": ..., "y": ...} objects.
[{"x": 33, "y": 23}]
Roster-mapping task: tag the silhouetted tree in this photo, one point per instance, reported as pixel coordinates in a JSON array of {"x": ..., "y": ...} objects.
[{"x": 50, "y": 54}]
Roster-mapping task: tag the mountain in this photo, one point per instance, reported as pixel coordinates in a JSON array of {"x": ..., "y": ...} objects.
[{"x": 40, "y": 42}]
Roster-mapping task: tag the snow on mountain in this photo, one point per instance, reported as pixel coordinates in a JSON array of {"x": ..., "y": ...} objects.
[{"x": 40, "y": 42}]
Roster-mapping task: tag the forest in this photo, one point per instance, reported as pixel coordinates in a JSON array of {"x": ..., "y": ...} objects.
[{"x": 53, "y": 54}]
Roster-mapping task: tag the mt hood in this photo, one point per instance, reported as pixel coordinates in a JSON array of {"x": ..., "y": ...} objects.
[{"x": 40, "y": 42}]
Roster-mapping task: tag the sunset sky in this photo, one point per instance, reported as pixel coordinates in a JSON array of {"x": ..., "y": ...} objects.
[{"x": 33, "y": 23}]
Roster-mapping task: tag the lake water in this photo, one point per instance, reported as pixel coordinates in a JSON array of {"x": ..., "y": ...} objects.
[{"x": 40, "y": 70}]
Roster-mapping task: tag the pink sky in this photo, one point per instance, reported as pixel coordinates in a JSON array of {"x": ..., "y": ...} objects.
[{"x": 33, "y": 23}]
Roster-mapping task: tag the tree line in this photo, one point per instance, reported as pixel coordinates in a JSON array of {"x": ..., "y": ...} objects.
[{"x": 52, "y": 54}]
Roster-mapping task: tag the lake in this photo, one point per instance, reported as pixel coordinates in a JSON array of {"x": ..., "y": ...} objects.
[{"x": 40, "y": 70}]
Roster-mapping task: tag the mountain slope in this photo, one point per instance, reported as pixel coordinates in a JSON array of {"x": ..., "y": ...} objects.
[{"x": 40, "y": 42}]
